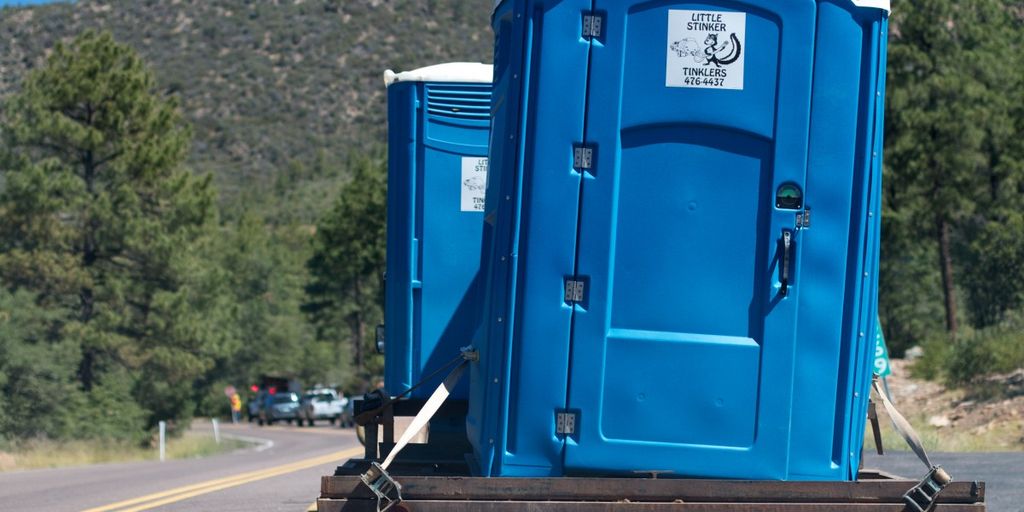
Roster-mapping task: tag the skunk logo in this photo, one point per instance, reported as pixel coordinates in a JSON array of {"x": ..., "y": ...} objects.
[{"x": 721, "y": 54}]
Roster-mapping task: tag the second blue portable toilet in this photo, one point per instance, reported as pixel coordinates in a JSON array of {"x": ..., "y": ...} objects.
[
  {"x": 682, "y": 238},
  {"x": 438, "y": 126}
]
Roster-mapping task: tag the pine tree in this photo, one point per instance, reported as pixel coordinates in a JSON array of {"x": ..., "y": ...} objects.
[
  {"x": 37, "y": 370},
  {"x": 266, "y": 271},
  {"x": 949, "y": 65},
  {"x": 348, "y": 265},
  {"x": 97, "y": 217}
]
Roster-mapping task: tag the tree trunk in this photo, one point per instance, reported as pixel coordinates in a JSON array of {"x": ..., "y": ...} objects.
[
  {"x": 946, "y": 265},
  {"x": 86, "y": 296},
  {"x": 356, "y": 325},
  {"x": 85, "y": 369},
  {"x": 357, "y": 341}
]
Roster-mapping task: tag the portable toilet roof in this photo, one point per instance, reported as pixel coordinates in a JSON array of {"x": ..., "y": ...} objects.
[{"x": 451, "y": 72}]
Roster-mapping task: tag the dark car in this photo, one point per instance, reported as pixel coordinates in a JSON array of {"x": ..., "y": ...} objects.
[
  {"x": 280, "y": 406},
  {"x": 252, "y": 408}
]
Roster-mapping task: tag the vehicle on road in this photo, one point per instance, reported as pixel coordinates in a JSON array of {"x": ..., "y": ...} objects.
[
  {"x": 252, "y": 407},
  {"x": 348, "y": 416},
  {"x": 321, "y": 404},
  {"x": 278, "y": 407}
]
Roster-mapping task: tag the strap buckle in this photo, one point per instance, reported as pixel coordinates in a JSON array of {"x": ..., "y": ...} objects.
[
  {"x": 386, "y": 489},
  {"x": 921, "y": 497}
]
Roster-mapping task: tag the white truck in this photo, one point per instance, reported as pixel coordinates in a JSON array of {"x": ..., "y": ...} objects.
[{"x": 322, "y": 404}]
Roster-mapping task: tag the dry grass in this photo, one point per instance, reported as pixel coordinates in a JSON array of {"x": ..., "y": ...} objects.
[
  {"x": 38, "y": 454},
  {"x": 952, "y": 419},
  {"x": 1002, "y": 436}
]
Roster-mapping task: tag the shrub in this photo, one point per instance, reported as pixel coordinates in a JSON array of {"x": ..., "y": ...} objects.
[{"x": 975, "y": 354}]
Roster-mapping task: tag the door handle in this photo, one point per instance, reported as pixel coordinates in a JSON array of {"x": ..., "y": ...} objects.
[{"x": 787, "y": 247}]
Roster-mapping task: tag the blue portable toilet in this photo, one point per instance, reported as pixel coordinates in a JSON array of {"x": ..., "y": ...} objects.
[
  {"x": 682, "y": 238},
  {"x": 438, "y": 126}
]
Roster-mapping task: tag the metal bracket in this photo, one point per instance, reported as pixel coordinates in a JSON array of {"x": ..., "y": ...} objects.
[
  {"x": 380, "y": 338},
  {"x": 583, "y": 157},
  {"x": 593, "y": 25},
  {"x": 921, "y": 497},
  {"x": 574, "y": 291},
  {"x": 876, "y": 431},
  {"x": 385, "y": 488},
  {"x": 803, "y": 219},
  {"x": 565, "y": 423}
]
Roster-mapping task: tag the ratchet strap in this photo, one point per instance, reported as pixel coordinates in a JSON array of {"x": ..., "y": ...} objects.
[
  {"x": 384, "y": 487},
  {"x": 378, "y": 400},
  {"x": 921, "y": 497}
]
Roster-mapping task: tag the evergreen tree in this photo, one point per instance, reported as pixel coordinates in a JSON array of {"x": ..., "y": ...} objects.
[
  {"x": 994, "y": 267},
  {"x": 37, "y": 370},
  {"x": 993, "y": 238},
  {"x": 348, "y": 264},
  {"x": 950, "y": 64},
  {"x": 266, "y": 271},
  {"x": 97, "y": 218}
]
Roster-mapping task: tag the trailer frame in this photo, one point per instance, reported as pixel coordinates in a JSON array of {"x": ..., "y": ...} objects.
[{"x": 873, "y": 491}]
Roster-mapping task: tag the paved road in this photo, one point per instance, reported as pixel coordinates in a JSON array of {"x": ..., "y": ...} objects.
[
  {"x": 1003, "y": 473},
  {"x": 282, "y": 474}
]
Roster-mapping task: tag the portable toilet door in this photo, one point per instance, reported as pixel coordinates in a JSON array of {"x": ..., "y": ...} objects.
[
  {"x": 707, "y": 269},
  {"x": 438, "y": 126}
]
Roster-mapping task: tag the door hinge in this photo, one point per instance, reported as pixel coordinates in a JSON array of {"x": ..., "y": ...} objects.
[
  {"x": 593, "y": 25},
  {"x": 574, "y": 291},
  {"x": 803, "y": 219},
  {"x": 583, "y": 157},
  {"x": 565, "y": 423}
]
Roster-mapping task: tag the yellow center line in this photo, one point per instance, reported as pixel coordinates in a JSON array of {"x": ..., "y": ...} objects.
[
  {"x": 178, "y": 490},
  {"x": 189, "y": 491}
]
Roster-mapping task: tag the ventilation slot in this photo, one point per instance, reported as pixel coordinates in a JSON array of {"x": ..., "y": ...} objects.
[{"x": 460, "y": 101}]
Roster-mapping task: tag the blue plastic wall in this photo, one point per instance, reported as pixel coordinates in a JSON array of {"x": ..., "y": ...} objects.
[
  {"x": 435, "y": 223},
  {"x": 685, "y": 355}
]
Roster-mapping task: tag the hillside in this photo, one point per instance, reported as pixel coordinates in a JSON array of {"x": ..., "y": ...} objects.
[{"x": 274, "y": 88}]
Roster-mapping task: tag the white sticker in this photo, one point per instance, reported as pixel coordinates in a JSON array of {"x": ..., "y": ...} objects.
[
  {"x": 474, "y": 183},
  {"x": 706, "y": 49}
]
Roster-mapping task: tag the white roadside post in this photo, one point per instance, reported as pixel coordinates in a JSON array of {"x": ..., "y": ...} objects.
[
  {"x": 163, "y": 441},
  {"x": 216, "y": 431}
]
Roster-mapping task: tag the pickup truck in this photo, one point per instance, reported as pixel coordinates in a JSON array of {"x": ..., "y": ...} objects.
[{"x": 321, "y": 404}]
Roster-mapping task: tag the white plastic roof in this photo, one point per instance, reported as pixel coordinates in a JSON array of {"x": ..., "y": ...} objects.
[
  {"x": 877, "y": 4},
  {"x": 466, "y": 72}
]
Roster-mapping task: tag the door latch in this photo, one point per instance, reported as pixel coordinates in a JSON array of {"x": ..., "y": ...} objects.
[{"x": 787, "y": 247}]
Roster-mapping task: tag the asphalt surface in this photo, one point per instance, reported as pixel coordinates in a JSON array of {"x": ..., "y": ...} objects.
[
  {"x": 282, "y": 473},
  {"x": 1003, "y": 473}
]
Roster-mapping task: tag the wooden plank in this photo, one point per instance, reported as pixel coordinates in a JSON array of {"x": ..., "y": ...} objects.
[
  {"x": 388, "y": 422},
  {"x": 877, "y": 474},
  {"x": 370, "y": 441},
  {"x": 328, "y": 505},
  {"x": 649, "y": 490}
]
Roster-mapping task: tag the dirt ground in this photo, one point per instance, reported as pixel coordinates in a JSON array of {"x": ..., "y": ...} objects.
[{"x": 988, "y": 419}]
